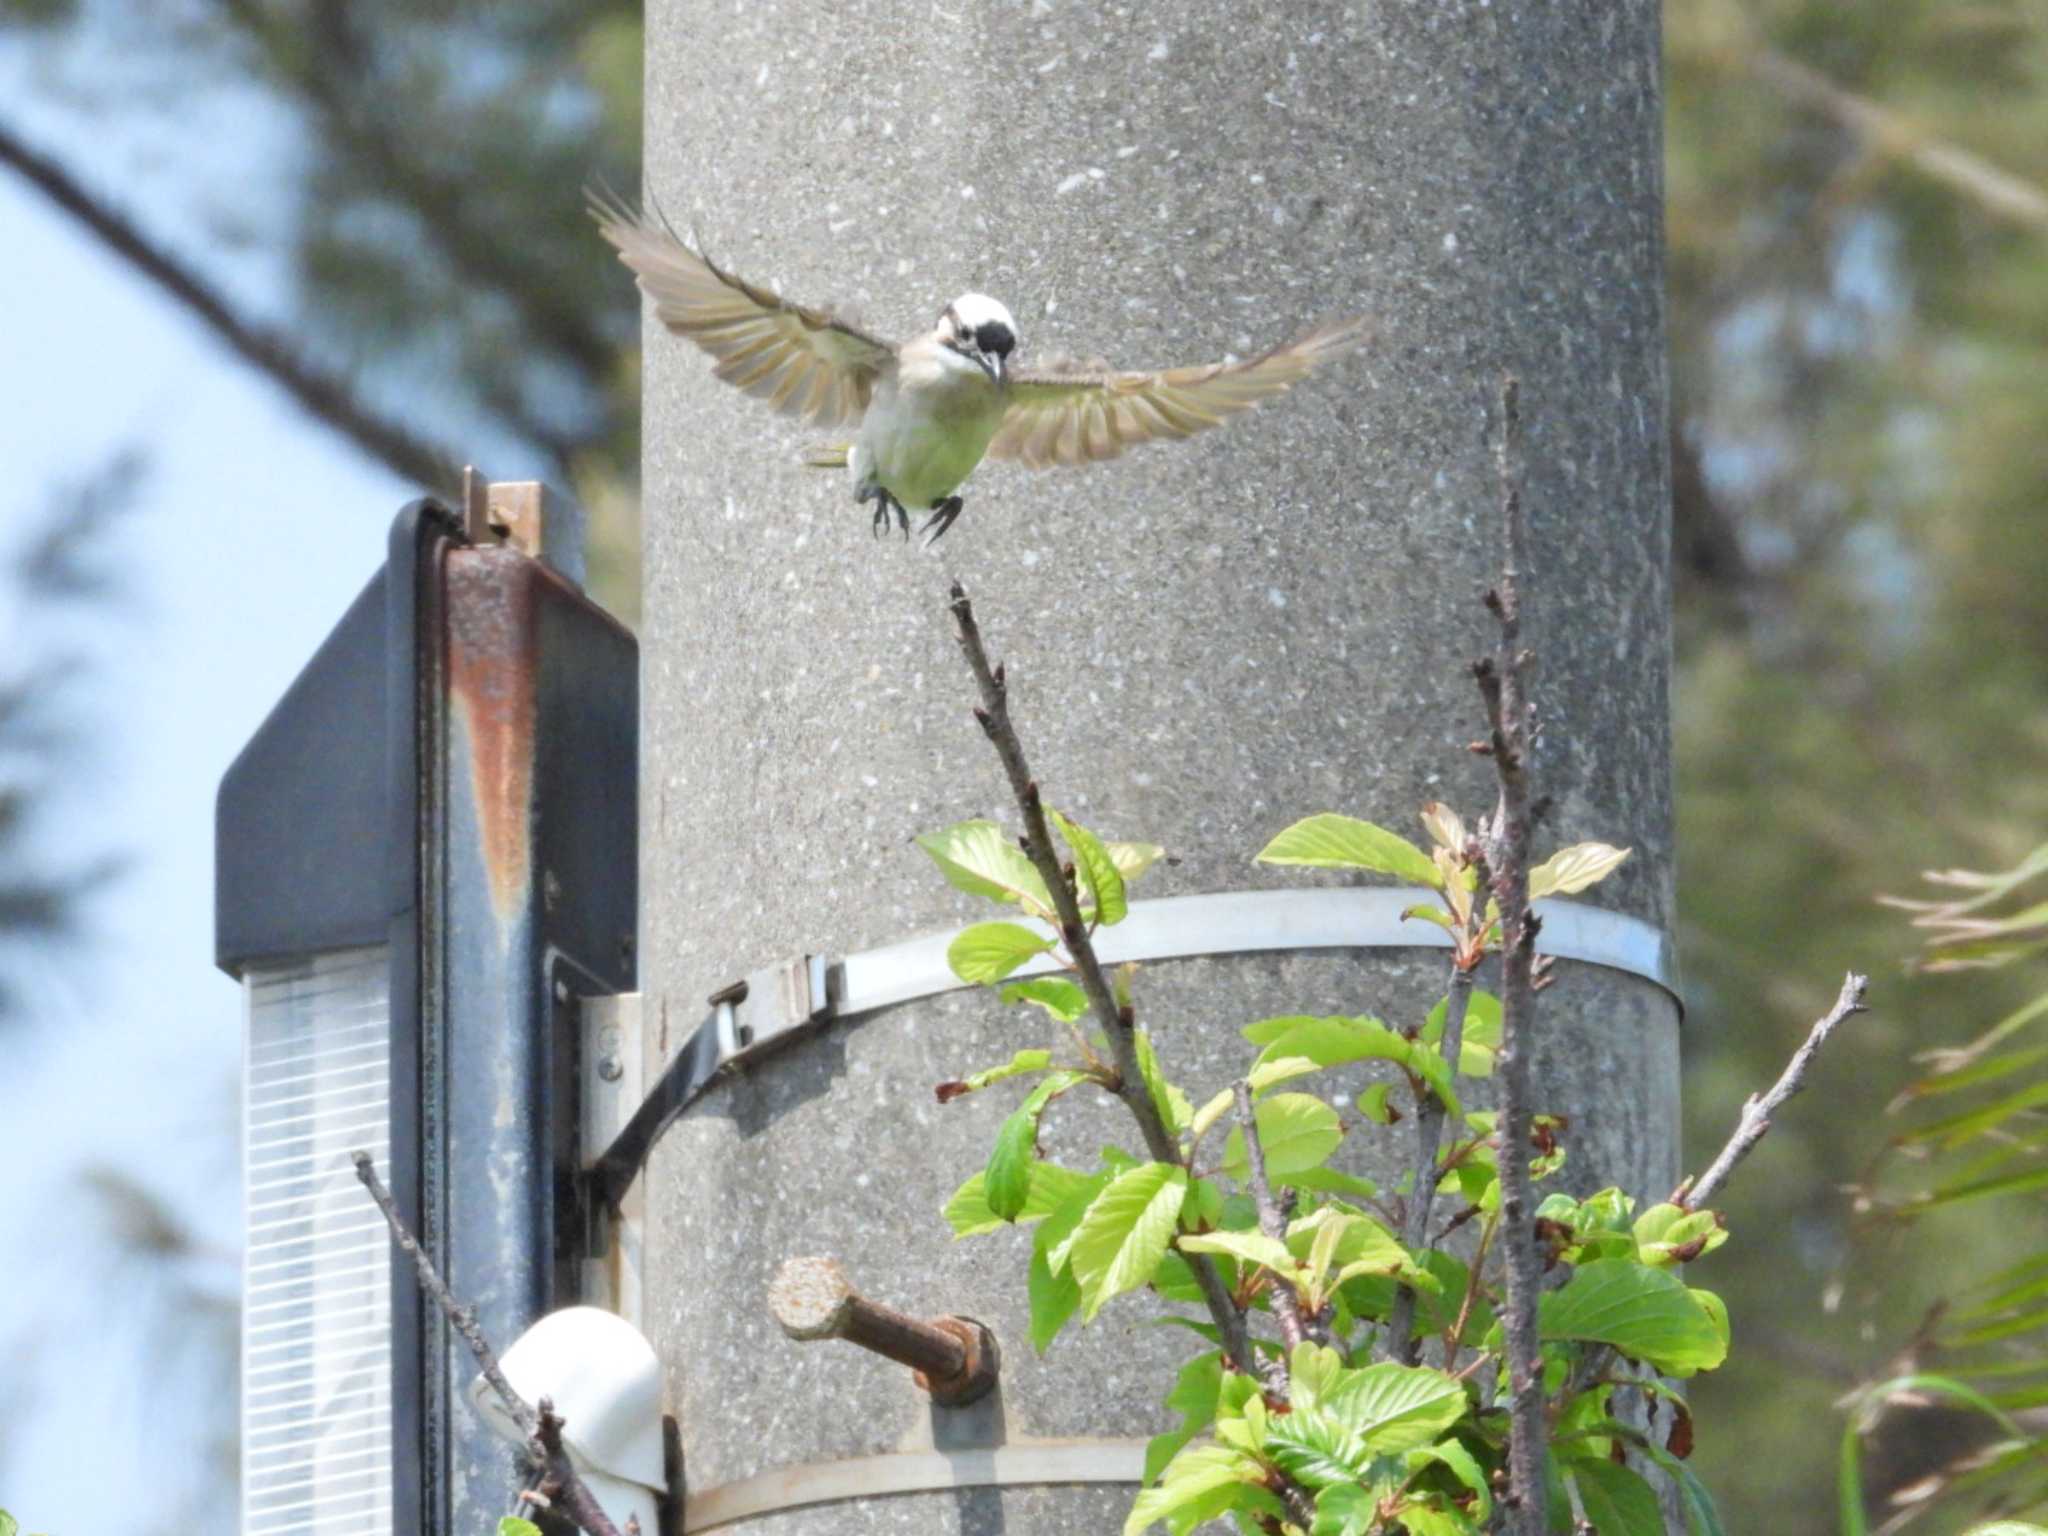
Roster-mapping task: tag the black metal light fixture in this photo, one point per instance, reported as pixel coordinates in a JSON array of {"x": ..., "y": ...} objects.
[{"x": 425, "y": 859}]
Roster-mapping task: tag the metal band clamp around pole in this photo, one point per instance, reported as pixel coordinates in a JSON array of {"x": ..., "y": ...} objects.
[
  {"x": 775, "y": 1005},
  {"x": 1019, "y": 1464}
]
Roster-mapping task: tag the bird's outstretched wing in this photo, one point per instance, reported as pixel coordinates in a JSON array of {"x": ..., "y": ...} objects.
[
  {"x": 1084, "y": 412},
  {"x": 802, "y": 361}
]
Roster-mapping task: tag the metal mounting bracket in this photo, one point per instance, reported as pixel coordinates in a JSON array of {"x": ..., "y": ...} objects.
[{"x": 772, "y": 1006}]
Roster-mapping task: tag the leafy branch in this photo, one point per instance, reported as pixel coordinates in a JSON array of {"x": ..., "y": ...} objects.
[
  {"x": 1324, "y": 1422},
  {"x": 1105, "y": 883},
  {"x": 1304, "y": 1433}
]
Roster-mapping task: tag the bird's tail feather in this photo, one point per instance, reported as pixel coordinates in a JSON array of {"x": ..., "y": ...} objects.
[{"x": 827, "y": 456}]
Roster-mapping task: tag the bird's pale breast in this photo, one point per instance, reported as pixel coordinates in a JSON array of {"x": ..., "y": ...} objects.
[{"x": 929, "y": 426}]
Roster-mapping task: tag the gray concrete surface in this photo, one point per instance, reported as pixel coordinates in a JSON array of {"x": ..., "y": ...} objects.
[{"x": 1207, "y": 640}]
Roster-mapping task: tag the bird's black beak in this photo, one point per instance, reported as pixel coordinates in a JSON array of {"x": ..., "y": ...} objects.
[{"x": 992, "y": 345}]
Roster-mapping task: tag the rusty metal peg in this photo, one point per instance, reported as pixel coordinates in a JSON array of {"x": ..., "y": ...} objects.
[{"x": 954, "y": 1358}]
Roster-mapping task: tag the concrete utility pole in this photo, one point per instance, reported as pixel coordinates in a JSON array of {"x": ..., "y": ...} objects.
[{"x": 1206, "y": 641}]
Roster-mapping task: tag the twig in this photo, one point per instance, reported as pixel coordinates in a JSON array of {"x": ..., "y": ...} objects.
[
  {"x": 1579, "y": 1521},
  {"x": 1755, "y": 1121},
  {"x": 1455, "y": 1339},
  {"x": 1286, "y": 1304},
  {"x": 1891, "y": 133},
  {"x": 1429, "y": 1125},
  {"x": 1117, "y": 1026},
  {"x": 542, "y": 1426},
  {"x": 460, "y": 1318},
  {"x": 327, "y": 396},
  {"x": 1501, "y": 683}
]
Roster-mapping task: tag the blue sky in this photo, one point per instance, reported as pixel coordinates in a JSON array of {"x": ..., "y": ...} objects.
[{"x": 251, "y": 531}]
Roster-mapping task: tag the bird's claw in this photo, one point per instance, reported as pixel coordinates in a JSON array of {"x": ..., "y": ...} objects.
[
  {"x": 884, "y": 505},
  {"x": 943, "y": 514}
]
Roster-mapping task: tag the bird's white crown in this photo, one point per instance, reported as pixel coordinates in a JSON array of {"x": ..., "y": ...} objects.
[{"x": 975, "y": 310}]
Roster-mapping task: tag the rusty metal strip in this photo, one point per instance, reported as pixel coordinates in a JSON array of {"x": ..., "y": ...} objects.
[{"x": 1029, "y": 1463}]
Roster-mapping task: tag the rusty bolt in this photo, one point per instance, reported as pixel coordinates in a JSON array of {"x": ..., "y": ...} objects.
[{"x": 954, "y": 1358}]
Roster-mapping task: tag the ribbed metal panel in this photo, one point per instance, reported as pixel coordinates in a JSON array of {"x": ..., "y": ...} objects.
[{"x": 316, "y": 1321}]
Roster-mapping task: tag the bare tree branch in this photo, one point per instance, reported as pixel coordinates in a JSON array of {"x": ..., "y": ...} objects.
[
  {"x": 1501, "y": 680},
  {"x": 326, "y": 396},
  {"x": 1117, "y": 1026},
  {"x": 1891, "y": 133},
  {"x": 1755, "y": 1121},
  {"x": 560, "y": 1484}
]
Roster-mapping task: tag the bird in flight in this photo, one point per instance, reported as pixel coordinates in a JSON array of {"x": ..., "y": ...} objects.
[{"x": 929, "y": 410}]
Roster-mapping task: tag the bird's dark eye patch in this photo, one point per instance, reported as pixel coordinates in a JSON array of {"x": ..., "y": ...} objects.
[{"x": 994, "y": 336}]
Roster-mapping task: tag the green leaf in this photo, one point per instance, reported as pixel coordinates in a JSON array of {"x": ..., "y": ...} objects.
[
  {"x": 1054, "y": 1292},
  {"x": 1645, "y": 1313},
  {"x": 1716, "y": 1310},
  {"x": 1330, "y": 1181},
  {"x": 1572, "y": 869},
  {"x": 1006, "y": 1181},
  {"x": 1172, "y": 1104},
  {"x": 1478, "y": 1041},
  {"x": 1250, "y": 1247},
  {"x": 1053, "y": 1297},
  {"x": 1315, "y": 1449},
  {"x": 1396, "y": 1407},
  {"x": 1701, "y": 1517},
  {"x": 1463, "y": 1465},
  {"x": 1121, "y": 1240},
  {"x": 1296, "y": 1131},
  {"x": 1133, "y": 859},
  {"x": 9, "y": 1528},
  {"x": 1175, "y": 1281},
  {"x": 969, "y": 1215},
  {"x": 1330, "y": 1042},
  {"x": 1271, "y": 1073},
  {"x": 1194, "y": 1398},
  {"x": 1311, "y": 1371},
  {"x": 1211, "y": 1112},
  {"x": 1016, "y": 1066},
  {"x": 1055, "y": 994},
  {"x": 1373, "y": 1103},
  {"x": 1346, "y": 1510},
  {"x": 1377, "y": 1252},
  {"x": 1343, "y": 842},
  {"x": 1665, "y": 1232},
  {"x": 1618, "y": 1502},
  {"x": 990, "y": 951},
  {"x": 1430, "y": 1519},
  {"x": 1100, "y": 878},
  {"x": 509, "y": 1526},
  {"x": 1203, "y": 1207},
  {"x": 977, "y": 858},
  {"x": 1195, "y": 1473}
]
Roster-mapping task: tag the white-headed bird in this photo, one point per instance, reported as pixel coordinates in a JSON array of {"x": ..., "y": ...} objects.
[{"x": 928, "y": 411}]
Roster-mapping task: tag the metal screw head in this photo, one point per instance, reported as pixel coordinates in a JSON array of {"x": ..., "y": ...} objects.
[{"x": 610, "y": 1068}]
